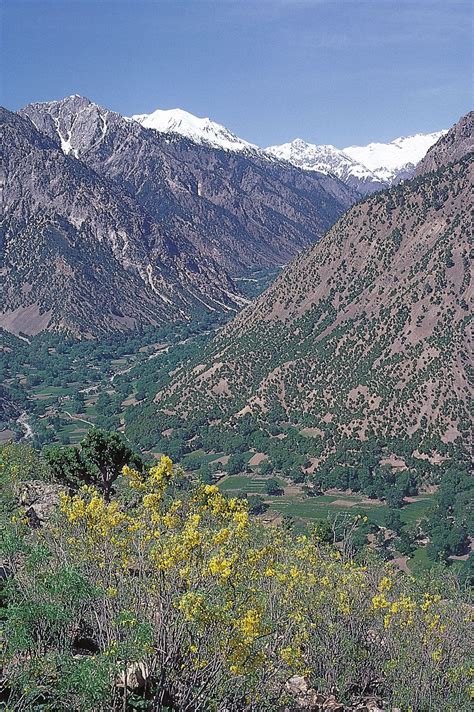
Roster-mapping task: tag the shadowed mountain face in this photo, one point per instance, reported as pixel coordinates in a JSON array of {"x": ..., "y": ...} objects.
[
  {"x": 80, "y": 254},
  {"x": 364, "y": 333},
  {"x": 239, "y": 208}
]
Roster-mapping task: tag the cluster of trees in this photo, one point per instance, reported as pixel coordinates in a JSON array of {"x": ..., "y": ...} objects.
[
  {"x": 58, "y": 369},
  {"x": 451, "y": 520}
]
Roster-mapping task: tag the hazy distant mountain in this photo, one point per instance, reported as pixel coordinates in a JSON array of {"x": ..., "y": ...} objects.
[
  {"x": 366, "y": 332},
  {"x": 239, "y": 209},
  {"x": 365, "y": 168},
  {"x": 78, "y": 253}
]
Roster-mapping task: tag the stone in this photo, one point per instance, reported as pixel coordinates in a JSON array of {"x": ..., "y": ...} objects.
[
  {"x": 40, "y": 499},
  {"x": 297, "y": 685},
  {"x": 135, "y": 677}
]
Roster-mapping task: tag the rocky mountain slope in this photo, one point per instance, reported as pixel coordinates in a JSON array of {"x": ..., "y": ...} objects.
[
  {"x": 240, "y": 210},
  {"x": 364, "y": 333},
  {"x": 457, "y": 142},
  {"x": 79, "y": 253},
  {"x": 365, "y": 168}
]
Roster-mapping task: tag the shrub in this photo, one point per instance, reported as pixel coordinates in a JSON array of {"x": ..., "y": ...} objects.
[{"x": 215, "y": 610}]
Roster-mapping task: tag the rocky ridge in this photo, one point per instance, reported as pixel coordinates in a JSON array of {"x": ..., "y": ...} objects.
[
  {"x": 80, "y": 254},
  {"x": 240, "y": 210}
]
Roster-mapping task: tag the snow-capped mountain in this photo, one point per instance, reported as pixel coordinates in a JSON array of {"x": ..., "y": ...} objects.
[
  {"x": 326, "y": 159},
  {"x": 367, "y": 168},
  {"x": 389, "y": 161},
  {"x": 199, "y": 130}
]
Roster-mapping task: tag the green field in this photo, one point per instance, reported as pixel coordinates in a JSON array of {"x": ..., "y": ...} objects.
[
  {"x": 308, "y": 509},
  {"x": 324, "y": 507},
  {"x": 245, "y": 483}
]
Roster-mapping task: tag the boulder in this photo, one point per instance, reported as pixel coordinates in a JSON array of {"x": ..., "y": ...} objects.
[
  {"x": 135, "y": 677},
  {"x": 40, "y": 499}
]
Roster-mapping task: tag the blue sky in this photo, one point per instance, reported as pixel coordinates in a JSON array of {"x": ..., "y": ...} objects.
[{"x": 328, "y": 71}]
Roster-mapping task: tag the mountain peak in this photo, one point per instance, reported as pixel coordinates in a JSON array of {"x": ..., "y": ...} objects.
[
  {"x": 199, "y": 129},
  {"x": 68, "y": 119},
  {"x": 393, "y": 160},
  {"x": 451, "y": 146},
  {"x": 326, "y": 159},
  {"x": 367, "y": 168}
]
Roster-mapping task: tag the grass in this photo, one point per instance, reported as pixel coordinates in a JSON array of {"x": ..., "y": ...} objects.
[
  {"x": 322, "y": 507},
  {"x": 245, "y": 483},
  {"x": 414, "y": 511},
  {"x": 242, "y": 483},
  {"x": 204, "y": 457},
  {"x": 311, "y": 510},
  {"x": 52, "y": 391},
  {"x": 419, "y": 561}
]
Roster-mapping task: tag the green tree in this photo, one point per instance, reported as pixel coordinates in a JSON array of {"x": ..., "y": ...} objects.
[
  {"x": 108, "y": 453},
  {"x": 272, "y": 487},
  {"x": 99, "y": 461},
  {"x": 68, "y": 465}
]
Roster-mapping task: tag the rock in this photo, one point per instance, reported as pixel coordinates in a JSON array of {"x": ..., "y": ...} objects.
[
  {"x": 135, "y": 677},
  {"x": 297, "y": 685},
  {"x": 314, "y": 700},
  {"x": 332, "y": 704},
  {"x": 40, "y": 499},
  {"x": 305, "y": 697}
]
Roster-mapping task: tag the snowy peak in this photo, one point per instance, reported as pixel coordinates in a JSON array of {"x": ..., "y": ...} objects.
[
  {"x": 199, "y": 130},
  {"x": 389, "y": 161},
  {"x": 324, "y": 159},
  {"x": 367, "y": 168},
  {"x": 305, "y": 155}
]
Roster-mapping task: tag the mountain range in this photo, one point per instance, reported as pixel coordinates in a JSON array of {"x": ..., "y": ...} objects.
[
  {"x": 107, "y": 225},
  {"x": 367, "y": 331},
  {"x": 111, "y": 222},
  {"x": 365, "y": 168}
]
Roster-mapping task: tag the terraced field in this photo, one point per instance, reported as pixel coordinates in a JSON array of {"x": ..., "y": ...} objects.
[{"x": 305, "y": 509}]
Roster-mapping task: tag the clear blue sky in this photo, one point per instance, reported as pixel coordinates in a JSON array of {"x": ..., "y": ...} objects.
[{"x": 328, "y": 71}]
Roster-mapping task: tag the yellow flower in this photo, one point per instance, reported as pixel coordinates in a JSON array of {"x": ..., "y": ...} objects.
[
  {"x": 291, "y": 656},
  {"x": 220, "y": 566},
  {"x": 249, "y": 624},
  {"x": 385, "y": 584}
]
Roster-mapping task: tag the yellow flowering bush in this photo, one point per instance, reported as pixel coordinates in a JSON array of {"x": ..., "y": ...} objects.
[{"x": 177, "y": 578}]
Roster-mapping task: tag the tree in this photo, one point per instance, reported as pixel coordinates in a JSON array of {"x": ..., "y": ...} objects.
[
  {"x": 256, "y": 504},
  {"x": 109, "y": 453},
  {"x": 237, "y": 463},
  {"x": 272, "y": 487},
  {"x": 393, "y": 521},
  {"x": 68, "y": 465},
  {"x": 99, "y": 461},
  {"x": 266, "y": 467}
]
